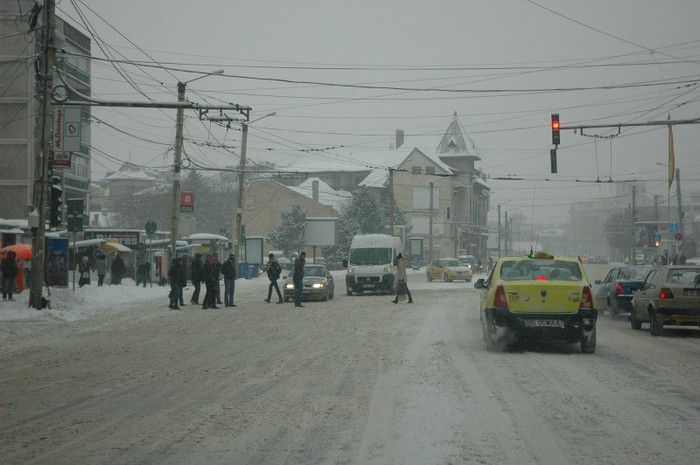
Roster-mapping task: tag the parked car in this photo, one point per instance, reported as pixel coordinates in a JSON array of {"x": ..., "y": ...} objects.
[
  {"x": 318, "y": 284},
  {"x": 448, "y": 269},
  {"x": 614, "y": 293},
  {"x": 537, "y": 297},
  {"x": 669, "y": 295}
]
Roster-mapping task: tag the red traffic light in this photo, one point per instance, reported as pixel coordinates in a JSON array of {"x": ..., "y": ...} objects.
[{"x": 555, "y": 129}]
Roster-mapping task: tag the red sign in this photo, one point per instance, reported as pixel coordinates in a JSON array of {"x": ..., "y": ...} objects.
[
  {"x": 679, "y": 236},
  {"x": 186, "y": 201}
]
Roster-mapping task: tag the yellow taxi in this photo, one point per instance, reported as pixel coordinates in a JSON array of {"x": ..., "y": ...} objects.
[
  {"x": 448, "y": 269},
  {"x": 537, "y": 297}
]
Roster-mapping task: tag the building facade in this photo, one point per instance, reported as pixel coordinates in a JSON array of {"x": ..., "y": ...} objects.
[{"x": 20, "y": 105}]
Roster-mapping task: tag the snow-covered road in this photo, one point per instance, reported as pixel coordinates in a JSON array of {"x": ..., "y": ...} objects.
[{"x": 356, "y": 380}]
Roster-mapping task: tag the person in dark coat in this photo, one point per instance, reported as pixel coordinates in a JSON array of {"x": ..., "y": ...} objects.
[
  {"x": 196, "y": 277},
  {"x": 175, "y": 278},
  {"x": 228, "y": 269},
  {"x": 401, "y": 265},
  {"x": 212, "y": 271},
  {"x": 298, "y": 278},
  {"x": 84, "y": 272},
  {"x": 274, "y": 269},
  {"x": 183, "y": 280},
  {"x": 9, "y": 273},
  {"x": 101, "y": 268},
  {"x": 118, "y": 270},
  {"x": 143, "y": 274}
]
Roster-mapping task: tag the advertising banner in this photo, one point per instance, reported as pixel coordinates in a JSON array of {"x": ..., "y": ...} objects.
[{"x": 57, "y": 261}]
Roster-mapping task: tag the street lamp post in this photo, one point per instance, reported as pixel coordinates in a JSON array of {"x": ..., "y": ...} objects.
[
  {"x": 241, "y": 186},
  {"x": 175, "y": 210}
]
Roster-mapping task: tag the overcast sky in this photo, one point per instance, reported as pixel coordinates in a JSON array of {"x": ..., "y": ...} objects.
[{"x": 348, "y": 74}]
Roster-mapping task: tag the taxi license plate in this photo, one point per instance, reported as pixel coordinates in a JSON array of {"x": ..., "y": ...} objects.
[
  {"x": 544, "y": 323},
  {"x": 368, "y": 285},
  {"x": 691, "y": 292}
]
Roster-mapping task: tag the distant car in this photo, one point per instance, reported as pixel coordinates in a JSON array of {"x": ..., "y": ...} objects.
[
  {"x": 468, "y": 260},
  {"x": 448, "y": 269},
  {"x": 669, "y": 295},
  {"x": 537, "y": 297},
  {"x": 614, "y": 293},
  {"x": 318, "y": 284}
]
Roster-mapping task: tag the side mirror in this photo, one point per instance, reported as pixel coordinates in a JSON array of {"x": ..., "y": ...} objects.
[
  {"x": 480, "y": 283},
  {"x": 598, "y": 281},
  {"x": 345, "y": 263}
]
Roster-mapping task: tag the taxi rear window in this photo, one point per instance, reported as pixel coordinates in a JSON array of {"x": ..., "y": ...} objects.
[{"x": 540, "y": 270}]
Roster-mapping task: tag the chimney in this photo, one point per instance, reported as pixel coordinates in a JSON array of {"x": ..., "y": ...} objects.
[
  {"x": 314, "y": 191},
  {"x": 399, "y": 138}
]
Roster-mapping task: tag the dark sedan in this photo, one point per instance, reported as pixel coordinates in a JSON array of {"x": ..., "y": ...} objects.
[
  {"x": 318, "y": 284},
  {"x": 616, "y": 290}
]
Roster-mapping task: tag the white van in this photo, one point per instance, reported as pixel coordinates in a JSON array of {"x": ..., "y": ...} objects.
[{"x": 370, "y": 264}]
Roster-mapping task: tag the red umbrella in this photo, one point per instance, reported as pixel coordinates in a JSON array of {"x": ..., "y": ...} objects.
[{"x": 23, "y": 251}]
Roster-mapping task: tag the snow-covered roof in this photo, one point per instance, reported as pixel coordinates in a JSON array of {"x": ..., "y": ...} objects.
[
  {"x": 131, "y": 175},
  {"x": 326, "y": 194},
  {"x": 206, "y": 237}
]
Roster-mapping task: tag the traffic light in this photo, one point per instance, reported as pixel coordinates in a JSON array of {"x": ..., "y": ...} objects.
[
  {"x": 657, "y": 241},
  {"x": 55, "y": 201},
  {"x": 75, "y": 214},
  {"x": 555, "y": 129}
]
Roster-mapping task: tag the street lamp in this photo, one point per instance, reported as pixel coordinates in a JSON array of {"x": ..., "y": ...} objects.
[
  {"x": 241, "y": 182},
  {"x": 175, "y": 210}
]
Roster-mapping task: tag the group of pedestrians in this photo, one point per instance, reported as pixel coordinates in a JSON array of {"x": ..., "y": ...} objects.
[{"x": 209, "y": 270}]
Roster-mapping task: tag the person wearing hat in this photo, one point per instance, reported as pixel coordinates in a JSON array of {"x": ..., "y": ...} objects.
[
  {"x": 274, "y": 269},
  {"x": 84, "y": 272},
  {"x": 228, "y": 269}
]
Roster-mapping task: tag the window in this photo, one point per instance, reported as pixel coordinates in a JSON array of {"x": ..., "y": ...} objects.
[
  {"x": 429, "y": 170},
  {"x": 416, "y": 170}
]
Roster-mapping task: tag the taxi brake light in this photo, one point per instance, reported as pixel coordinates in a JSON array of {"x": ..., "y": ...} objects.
[
  {"x": 586, "y": 298},
  {"x": 499, "y": 300},
  {"x": 618, "y": 289}
]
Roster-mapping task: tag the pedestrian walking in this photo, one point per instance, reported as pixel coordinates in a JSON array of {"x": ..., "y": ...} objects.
[
  {"x": 228, "y": 269},
  {"x": 9, "y": 273},
  {"x": 401, "y": 282},
  {"x": 211, "y": 272},
  {"x": 183, "y": 280},
  {"x": 298, "y": 278},
  {"x": 175, "y": 277},
  {"x": 101, "y": 268},
  {"x": 274, "y": 269},
  {"x": 118, "y": 270},
  {"x": 143, "y": 274},
  {"x": 196, "y": 277},
  {"x": 84, "y": 272}
]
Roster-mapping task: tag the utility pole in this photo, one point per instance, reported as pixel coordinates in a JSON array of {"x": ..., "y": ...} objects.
[
  {"x": 499, "y": 230},
  {"x": 241, "y": 185},
  {"x": 680, "y": 205},
  {"x": 391, "y": 201},
  {"x": 430, "y": 225},
  {"x": 633, "y": 216},
  {"x": 505, "y": 242},
  {"x": 175, "y": 207},
  {"x": 42, "y": 152}
]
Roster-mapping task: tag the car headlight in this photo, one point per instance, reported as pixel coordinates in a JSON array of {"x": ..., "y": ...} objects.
[
  {"x": 388, "y": 269},
  {"x": 317, "y": 285},
  {"x": 350, "y": 270},
  {"x": 289, "y": 286}
]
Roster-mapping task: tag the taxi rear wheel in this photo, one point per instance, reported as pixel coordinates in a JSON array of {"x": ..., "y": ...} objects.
[
  {"x": 430, "y": 278},
  {"x": 588, "y": 344},
  {"x": 446, "y": 278}
]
